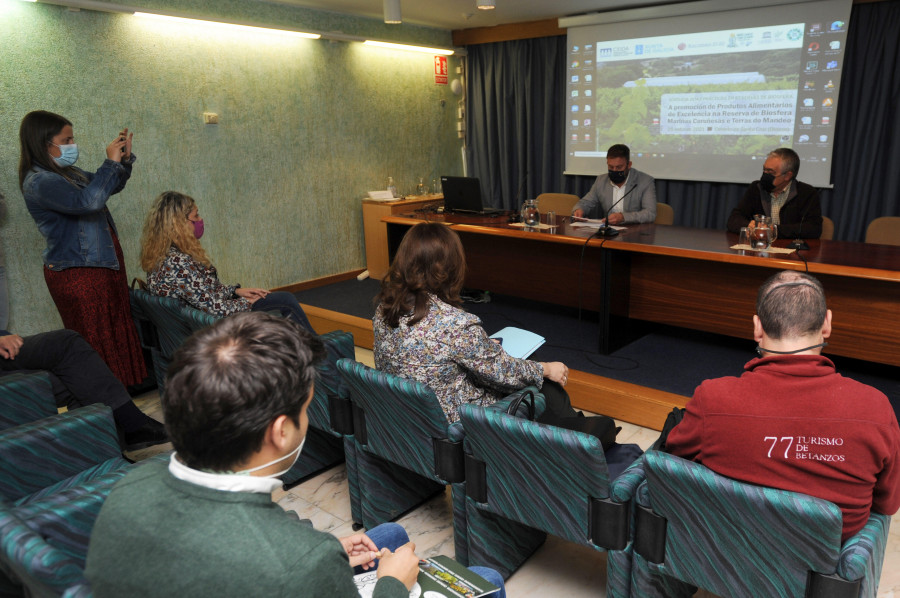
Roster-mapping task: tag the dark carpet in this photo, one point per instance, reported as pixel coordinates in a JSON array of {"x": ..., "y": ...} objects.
[{"x": 667, "y": 358}]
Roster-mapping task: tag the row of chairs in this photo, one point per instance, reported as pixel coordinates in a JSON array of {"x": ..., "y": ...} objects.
[
  {"x": 56, "y": 469},
  {"x": 667, "y": 525},
  {"x": 884, "y": 230},
  {"x": 512, "y": 482}
]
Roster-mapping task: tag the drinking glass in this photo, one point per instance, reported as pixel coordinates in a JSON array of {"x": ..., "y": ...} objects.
[
  {"x": 420, "y": 187},
  {"x": 551, "y": 218},
  {"x": 745, "y": 236}
]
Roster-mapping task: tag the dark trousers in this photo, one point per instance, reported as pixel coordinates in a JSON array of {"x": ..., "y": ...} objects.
[
  {"x": 286, "y": 305},
  {"x": 78, "y": 374}
]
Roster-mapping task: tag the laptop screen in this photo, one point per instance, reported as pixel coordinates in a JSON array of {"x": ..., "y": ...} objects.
[{"x": 461, "y": 194}]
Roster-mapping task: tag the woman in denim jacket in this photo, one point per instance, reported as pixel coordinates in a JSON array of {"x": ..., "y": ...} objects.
[{"x": 83, "y": 264}]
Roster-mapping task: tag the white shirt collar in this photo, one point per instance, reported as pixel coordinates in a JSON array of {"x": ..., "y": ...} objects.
[{"x": 228, "y": 482}]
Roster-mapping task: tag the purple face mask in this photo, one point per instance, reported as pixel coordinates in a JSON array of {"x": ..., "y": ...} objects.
[{"x": 198, "y": 227}]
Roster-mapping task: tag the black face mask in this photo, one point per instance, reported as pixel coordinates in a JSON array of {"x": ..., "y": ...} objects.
[
  {"x": 618, "y": 176},
  {"x": 767, "y": 182}
]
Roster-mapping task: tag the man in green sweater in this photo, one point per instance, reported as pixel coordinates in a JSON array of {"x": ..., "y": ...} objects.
[{"x": 204, "y": 524}]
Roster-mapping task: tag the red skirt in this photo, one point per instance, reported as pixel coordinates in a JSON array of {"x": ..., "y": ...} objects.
[{"x": 94, "y": 302}]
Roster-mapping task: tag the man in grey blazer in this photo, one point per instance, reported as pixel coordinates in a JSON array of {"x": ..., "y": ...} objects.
[{"x": 636, "y": 190}]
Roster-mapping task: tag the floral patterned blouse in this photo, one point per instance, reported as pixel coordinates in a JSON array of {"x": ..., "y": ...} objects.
[
  {"x": 182, "y": 277},
  {"x": 450, "y": 352}
]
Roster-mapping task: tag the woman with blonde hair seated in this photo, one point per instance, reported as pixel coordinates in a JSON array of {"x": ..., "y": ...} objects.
[
  {"x": 177, "y": 265},
  {"x": 421, "y": 333}
]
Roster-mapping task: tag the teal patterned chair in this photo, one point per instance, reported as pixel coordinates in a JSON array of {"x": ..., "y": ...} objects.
[
  {"x": 55, "y": 474},
  {"x": 327, "y": 412},
  {"x": 539, "y": 479},
  {"x": 24, "y": 398},
  {"x": 165, "y": 323},
  {"x": 399, "y": 432},
  {"x": 401, "y": 450},
  {"x": 697, "y": 528}
]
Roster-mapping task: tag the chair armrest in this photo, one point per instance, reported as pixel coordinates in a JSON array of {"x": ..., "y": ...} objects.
[
  {"x": 36, "y": 455},
  {"x": 81, "y": 590},
  {"x": 24, "y": 398},
  {"x": 624, "y": 487},
  {"x": 862, "y": 556},
  {"x": 331, "y": 392},
  {"x": 46, "y": 566},
  {"x": 196, "y": 319}
]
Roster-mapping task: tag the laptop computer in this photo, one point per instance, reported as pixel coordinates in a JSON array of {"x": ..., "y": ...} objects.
[{"x": 463, "y": 194}]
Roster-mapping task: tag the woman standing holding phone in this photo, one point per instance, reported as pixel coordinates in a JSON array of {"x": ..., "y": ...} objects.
[{"x": 83, "y": 264}]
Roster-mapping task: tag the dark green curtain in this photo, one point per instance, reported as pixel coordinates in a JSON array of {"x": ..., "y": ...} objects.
[{"x": 515, "y": 122}]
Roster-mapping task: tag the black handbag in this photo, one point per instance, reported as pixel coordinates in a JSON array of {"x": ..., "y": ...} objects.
[{"x": 601, "y": 427}]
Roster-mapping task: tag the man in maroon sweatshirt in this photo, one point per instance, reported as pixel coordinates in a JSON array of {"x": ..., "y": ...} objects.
[{"x": 792, "y": 422}]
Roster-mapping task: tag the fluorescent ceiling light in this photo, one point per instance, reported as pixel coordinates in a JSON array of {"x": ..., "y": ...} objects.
[
  {"x": 486, "y": 4},
  {"x": 236, "y": 26},
  {"x": 445, "y": 52}
]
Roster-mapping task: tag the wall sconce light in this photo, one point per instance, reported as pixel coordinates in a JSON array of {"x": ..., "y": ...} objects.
[
  {"x": 237, "y": 26},
  {"x": 483, "y": 4},
  {"x": 409, "y": 48},
  {"x": 392, "y": 12}
]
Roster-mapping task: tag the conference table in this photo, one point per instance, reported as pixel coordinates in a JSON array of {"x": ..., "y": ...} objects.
[{"x": 679, "y": 276}]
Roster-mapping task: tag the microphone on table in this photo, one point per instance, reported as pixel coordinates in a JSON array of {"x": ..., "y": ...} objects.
[{"x": 607, "y": 231}]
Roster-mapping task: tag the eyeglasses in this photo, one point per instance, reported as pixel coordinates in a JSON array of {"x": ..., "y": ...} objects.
[{"x": 773, "y": 173}]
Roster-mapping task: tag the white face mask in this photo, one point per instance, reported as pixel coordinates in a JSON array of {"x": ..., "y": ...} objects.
[
  {"x": 295, "y": 453},
  {"x": 68, "y": 155}
]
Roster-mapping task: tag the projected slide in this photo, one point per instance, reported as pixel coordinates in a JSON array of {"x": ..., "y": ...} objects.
[{"x": 707, "y": 105}]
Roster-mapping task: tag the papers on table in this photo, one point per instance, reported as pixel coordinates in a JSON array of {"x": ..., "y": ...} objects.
[
  {"x": 382, "y": 196},
  {"x": 594, "y": 223},
  {"x": 517, "y": 342},
  {"x": 745, "y": 247}
]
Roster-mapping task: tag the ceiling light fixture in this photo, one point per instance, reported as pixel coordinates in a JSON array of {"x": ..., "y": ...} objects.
[
  {"x": 157, "y": 17},
  {"x": 408, "y": 48},
  {"x": 486, "y": 4},
  {"x": 392, "y": 12}
]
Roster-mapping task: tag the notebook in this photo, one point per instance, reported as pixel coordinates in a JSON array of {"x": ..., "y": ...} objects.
[{"x": 463, "y": 194}]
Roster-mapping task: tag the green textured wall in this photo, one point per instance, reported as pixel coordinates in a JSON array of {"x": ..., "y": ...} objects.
[{"x": 306, "y": 128}]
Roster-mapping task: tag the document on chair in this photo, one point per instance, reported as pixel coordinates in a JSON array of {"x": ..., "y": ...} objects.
[
  {"x": 517, "y": 342},
  {"x": 439, "y": 577}
]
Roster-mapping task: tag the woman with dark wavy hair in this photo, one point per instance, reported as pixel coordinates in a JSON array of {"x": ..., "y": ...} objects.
[
  {"x": 421, "y": 333},
  {"x": 83, "y": 264}
]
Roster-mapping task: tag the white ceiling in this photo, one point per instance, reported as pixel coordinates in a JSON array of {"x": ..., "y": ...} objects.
[{"x": 462, "y": 14}]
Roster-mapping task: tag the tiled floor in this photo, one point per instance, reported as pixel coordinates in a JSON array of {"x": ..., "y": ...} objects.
[{"x": 559, "y": 568}]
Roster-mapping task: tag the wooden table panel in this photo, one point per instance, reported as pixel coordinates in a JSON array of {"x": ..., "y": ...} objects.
[{"x": 540, "y": 271}]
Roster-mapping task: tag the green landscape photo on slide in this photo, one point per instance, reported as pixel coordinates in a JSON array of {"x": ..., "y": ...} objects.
[{"x": 755, "y": 91}]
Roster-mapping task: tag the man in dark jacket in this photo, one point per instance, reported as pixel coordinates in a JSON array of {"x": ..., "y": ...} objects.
[{"x": 793, "y": 206}]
